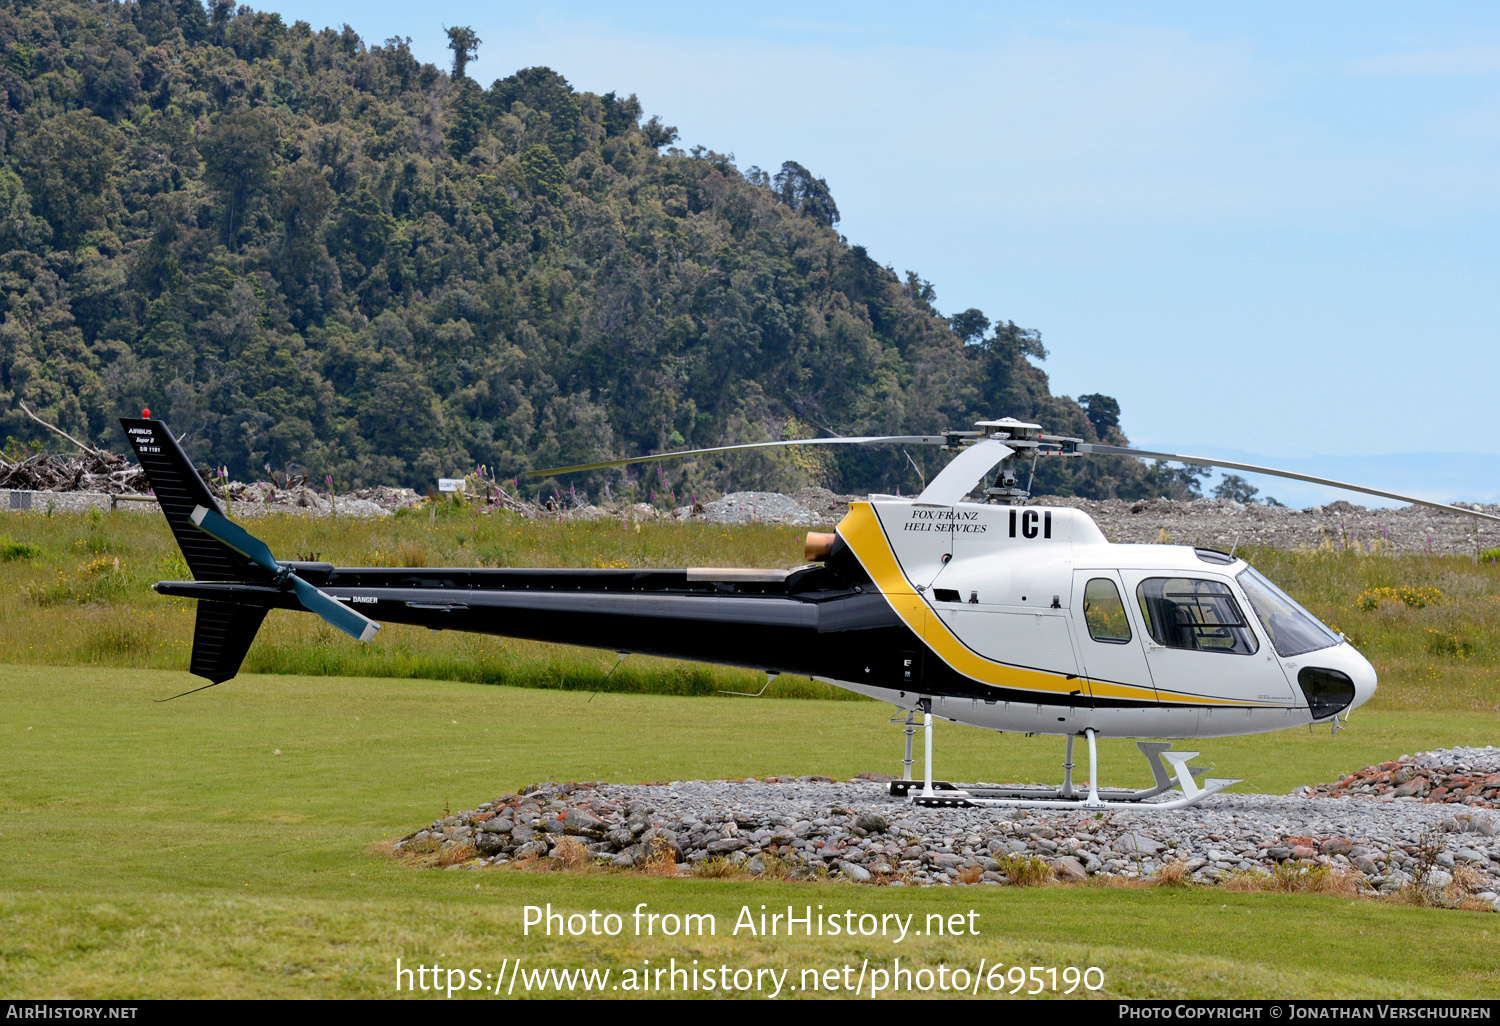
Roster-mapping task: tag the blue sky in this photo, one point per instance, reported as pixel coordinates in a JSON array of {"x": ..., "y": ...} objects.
[{"x": 1270, "y": 233}]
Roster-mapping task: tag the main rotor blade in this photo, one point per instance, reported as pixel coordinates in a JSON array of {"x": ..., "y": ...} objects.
[
  {"x": 862, "y": 440},
  {"x": 356, "y": 625},
  {"x": 1115, "y": 450},
  {"x": 236, "y": 537}
]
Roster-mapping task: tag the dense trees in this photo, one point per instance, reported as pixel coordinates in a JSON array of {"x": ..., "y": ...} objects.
[{"x": 297, "y": 246}]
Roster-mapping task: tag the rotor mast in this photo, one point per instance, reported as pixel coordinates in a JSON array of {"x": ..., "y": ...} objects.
[{"x": 1027, "y": 444}]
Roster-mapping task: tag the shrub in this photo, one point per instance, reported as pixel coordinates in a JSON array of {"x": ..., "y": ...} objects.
[
  {"x": 719, "y": 868},
  {"x": 10, "y": 550},
  {"x": 1025, "y": 870}
]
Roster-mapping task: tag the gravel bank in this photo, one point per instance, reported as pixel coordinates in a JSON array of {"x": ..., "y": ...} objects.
[
  {"x": 854, "y": 830},
  {"x": 1213, "y": 523}
]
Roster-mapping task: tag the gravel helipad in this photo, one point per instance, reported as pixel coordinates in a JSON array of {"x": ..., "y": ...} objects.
[{"x": 854, "y": 829}]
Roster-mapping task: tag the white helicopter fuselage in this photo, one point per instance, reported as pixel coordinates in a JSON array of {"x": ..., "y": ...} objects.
[{"x": 1053, "y": 629}]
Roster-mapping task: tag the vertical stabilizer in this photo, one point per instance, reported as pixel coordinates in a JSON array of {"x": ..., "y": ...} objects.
[{"x": 179, "y": 490}]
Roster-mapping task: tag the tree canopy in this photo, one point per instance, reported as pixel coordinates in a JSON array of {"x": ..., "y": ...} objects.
[{"x": 298, "y": 246}]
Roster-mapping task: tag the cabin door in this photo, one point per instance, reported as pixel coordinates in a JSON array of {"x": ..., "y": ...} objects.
[{"x": 1109, "y": 634}]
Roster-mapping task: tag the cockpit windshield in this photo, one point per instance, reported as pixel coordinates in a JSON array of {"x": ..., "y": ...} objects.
[{"x": 1293, "y": 630}]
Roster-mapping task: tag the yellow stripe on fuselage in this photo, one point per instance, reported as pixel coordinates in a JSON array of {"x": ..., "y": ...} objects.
[{"x": 862, "y": 532}]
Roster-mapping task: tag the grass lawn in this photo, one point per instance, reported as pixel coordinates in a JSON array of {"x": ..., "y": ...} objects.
[{"x": 164, "y": 850}]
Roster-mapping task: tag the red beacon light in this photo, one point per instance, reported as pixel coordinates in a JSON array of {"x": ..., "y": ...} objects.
[{"x": 146, "y": 414}]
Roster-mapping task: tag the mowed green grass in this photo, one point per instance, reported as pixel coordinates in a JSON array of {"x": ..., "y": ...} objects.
[{"x": 164, "y": 850}]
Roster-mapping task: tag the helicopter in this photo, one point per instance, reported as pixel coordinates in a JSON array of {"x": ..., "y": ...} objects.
[{"x": 992, "y": 613}]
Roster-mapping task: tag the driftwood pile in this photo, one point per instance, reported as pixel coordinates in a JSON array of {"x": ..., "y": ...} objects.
[
  {"x": 94, "y": 470},
  {"x": 100, "y": 471}
]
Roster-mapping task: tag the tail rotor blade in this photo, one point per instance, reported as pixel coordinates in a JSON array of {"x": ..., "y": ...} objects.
[
  {"x": 236, "y": 537},
  {"x": 357, "y": 626}
]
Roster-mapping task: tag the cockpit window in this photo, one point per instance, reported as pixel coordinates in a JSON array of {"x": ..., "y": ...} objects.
[
  {"x": 1185, "y": 612},
  {"x": 1104, "y": 612},
  {"x": 1293, "y": 630}
]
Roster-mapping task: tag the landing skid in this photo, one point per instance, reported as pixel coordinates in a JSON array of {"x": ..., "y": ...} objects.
[{"x": 931, "y": 793}]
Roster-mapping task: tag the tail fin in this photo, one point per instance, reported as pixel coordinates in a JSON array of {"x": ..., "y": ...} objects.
[
  {"x": 222, "y": 637},
  {"x": 179, "y": 490}
]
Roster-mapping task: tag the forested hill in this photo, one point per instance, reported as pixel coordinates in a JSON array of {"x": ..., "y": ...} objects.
[{"x": 298, "y": 247}]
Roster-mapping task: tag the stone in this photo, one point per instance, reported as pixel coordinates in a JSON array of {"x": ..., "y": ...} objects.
[
  {"x": 532, "y": 849},
  {"x": 1138, "y": 844},
  {"x": 856, "y": 872},
  {"x": 725, "y": 845},
  {"x": 579, "y": 822},
  {"x": 1337, "y": 846},
  {"x": 872, "y": 822},
  {"x": 1069, "y": 870}
]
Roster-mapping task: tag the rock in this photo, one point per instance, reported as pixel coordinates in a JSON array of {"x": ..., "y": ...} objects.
[
  {"x": 872, "y": 822},
  {"x": 1337, "y": 846},
  {"x": 577, "y": 821},
  {"x": 725, "y": 845},
  {"x": 1138, "y": 844},
  {"x": 1069, "y": 870},
  {"x": 624, "y": 860},
  {"x": 532, "y": 849},
  {"x": 1437, "y": 879},
  {"x": 855, "y": 872},
  {"x": 490, "y": 843}
]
